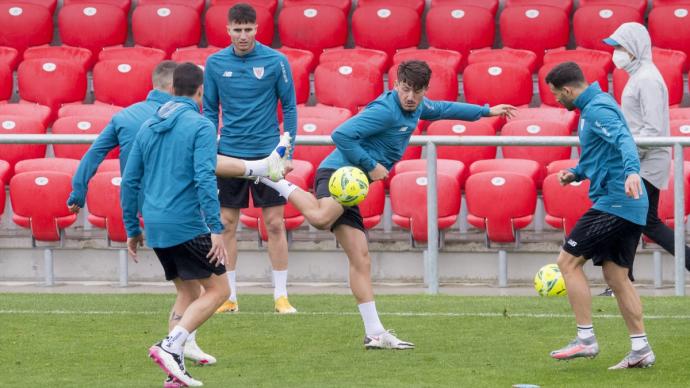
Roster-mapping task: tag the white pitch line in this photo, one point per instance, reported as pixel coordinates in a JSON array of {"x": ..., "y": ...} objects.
[{"x": 335, "y": 313}]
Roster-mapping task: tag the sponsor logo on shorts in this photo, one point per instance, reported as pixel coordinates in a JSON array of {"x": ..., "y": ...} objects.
[{"x": 572, "y": 243}]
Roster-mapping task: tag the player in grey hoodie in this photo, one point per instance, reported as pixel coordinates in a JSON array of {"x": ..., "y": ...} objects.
[{"x": 645, "y": 107}]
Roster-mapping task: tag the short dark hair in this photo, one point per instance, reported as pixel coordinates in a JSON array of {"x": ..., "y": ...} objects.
[
  {"x": 242, "y": 13},
  {"x": 187, "y": 78},
  {"x": 566, "y": 73},
  {"x": 162, "y": 76},
  {"x": 414, "y": 73}
]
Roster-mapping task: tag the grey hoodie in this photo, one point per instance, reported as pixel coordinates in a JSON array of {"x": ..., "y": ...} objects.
[{"x": 645, "y": 102}]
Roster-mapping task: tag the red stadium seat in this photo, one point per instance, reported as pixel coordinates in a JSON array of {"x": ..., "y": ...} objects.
[
  {"x": 535, "y": 28},
  {"x": 581, "y": 56},
  {"x": 594, "y": 23},
  {"x": 197, "y": 5},
  {"x": 524, "y": 58},
  {"x": 320, "y": 111},
  {"x": 314, "y": 126},
  {"x": 666, "y": 198},
  {"x": 23, "y": 25},
  {"x": 216, "y": 21},
  {"x": 271, "y": 5},
  {"x": 416, "y": 5},
  {"x": 148, "y": 54},
  {"x": 35, "y": 111},
  {"x": 669, "y": 28},
  {"x": 299, "y": 61},
  {"x": 109, "y": 165},
  {"x": 466, "y": 154},
  {"x": 679, "y": 113},
  {"x": 376, "y": 58},
  {"x": 443, "y": 85},
  {"x": 490, "y": 5},
  {"x": 558, "y": 165},
  {"x": 86, "y": 125},
  {"x": 4, "y": 180},
  {"x": 409, "y": 202},
  {"x": 99, "y": 110},
  {"x": 347, "y": 84},
  {"x": 6, "y": 83},
  {"x": 445, "y": 58},
  {"x": 386, "y": 28},
  {"x": 38, "y": 202},
  {"x": 111, "y": 77},
  {"x": 518, "y": 198},
  {"x": 103, "y": 201},
  {"x": 63, "y": 165},
  {"x": 252, "y": 217},
  {"x": 564, "y": 5},
  {"x": 313, "y": 28},
  {"x": 196, "y": 55},
  {"x": 92, "y": 26},
  {"x": 545, "y": 112},
  {"x": 372, "y": 207},
  {"x": 499, "y": 83},
  {"x": 166, "y": 27},
  {"x": 638, "y": 5},
  {"x": 528, "y": 168},
  {"x": 79, "y": 55},
  {"x": 681, "y": 127},
  {"x": 671, "y": 71},
  {"x": 541, "y": 155},
  {"x": 124, "y": 5},
  {"x": 450, "y": 167},
  {"x": 592, "y": 73},
  {"x": 444, "y": 23},
  {"x": 9, "y": 57},
  {"x": 48, "y": 4},
  {"x": 343, "y": 5},
  {"x": 564, "y": 205},
  {"x": 51, "y": 82}
]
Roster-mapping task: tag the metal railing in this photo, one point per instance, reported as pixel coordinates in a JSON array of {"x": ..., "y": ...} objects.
[{"x": 431, "y": 142}]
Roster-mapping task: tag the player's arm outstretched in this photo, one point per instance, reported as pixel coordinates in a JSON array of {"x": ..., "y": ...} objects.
[
  {"x": 105, "y": 142},
  {"x": 446, "y": 110}
]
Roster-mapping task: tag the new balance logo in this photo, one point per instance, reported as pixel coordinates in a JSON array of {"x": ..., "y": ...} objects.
[
  {"x": 572, "y": 243},
  {"x": 227, "y": 74},
  {"x": 403, "y": 129}
]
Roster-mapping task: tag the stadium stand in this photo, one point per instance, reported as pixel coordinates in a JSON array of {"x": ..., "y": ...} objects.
[
  {"x": 536, "y": 28},
  {"x": 92, "y": 26},
  {"x": 445, "y": 58},
  {"x": 13, "y": 153},
  {"x": 497, "y": 83},
  {"x": 386, "y": 28},
  {"x": 523, "y": 58},
  {"x": 51, "y": 82},
  {"x": 348, "y": 85},
  {"x": 376, "y": 58},
  {"x": 111, "y": 76},
  {"x": 87, "y": 125},
  {"x": 35, "y": 111},
  {"x": 669, "y": 28},
  {"x": 78, "y": 55}
]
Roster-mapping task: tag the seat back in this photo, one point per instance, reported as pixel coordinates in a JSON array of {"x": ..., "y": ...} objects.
[
  {"x": 372, "y": 206},
  {"x": 501, "y": 203},
  {"x": 528, "y": 168},
  {"x": 541, "y": 155},
  {"x": 103, "y": 201},
  {"x": 111, "y": 77},
  {"x": 39, "y": 197},
  {"x": 409, "y": 201},
  {"x": 166, "y": 27},
  {"x": 497, "y": 83},
  {"x": 598, "y": 58},
  {"x": 523, "y": 58},
  {"x": 13, "y": 153},
  {"x": 564, "y": 205},
  {"x": 312, "y": 27},
  {"x": 347, "y": 84},
  {"x": 93, "y": 25},
  {"x": 63, "y": 165},
  {"x": 386, "y": 27},
  {"x": 669, "y": 28},
  {"x": 535, "y": 27},
  {"x": 83, "y": 125},
  {"x": 23, "y": 25},
  {"x": 465, "y": 154},
  {"x": 51, "y": 82}
]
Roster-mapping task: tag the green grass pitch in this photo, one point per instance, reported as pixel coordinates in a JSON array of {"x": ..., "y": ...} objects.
[{"x": 101, "y": 341}]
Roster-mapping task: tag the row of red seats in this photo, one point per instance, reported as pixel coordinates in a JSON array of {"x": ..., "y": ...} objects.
[
  {"x": 48, "y": 182},
  {"x": 376, "y": 24}
]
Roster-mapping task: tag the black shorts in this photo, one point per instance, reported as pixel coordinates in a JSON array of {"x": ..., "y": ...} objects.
[
  {"x": 351, "y": 216},
  {"x": 188, "y": 260},
  {"x": 601, "y": 236},
  {"x": 234, "y": 192}
]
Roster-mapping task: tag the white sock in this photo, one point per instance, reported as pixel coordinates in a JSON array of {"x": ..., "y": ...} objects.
[
  {"x": 585, "y": 331},
  {"x": 283, "y": 187},
  {"x": 279, "y": 284},
  {"x": 191, "y": 338},
  {"x": 372, "y": 323},
  {"x": 255, "y": 167},
  {"x": 232, "y": 282},
  {"x": 638, "y": 341},
  {"x": 175, "y": 340}
]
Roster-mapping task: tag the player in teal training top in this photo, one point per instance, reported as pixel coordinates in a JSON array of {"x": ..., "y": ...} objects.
[
  {"x": 247, "y": 79},
  {"x": 373, "y": 140}
]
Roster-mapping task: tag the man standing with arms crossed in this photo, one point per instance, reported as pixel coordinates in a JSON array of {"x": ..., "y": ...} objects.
[
  {"x": 609, "y": 232},
  {"x": 247, "y": 79},
  {"x": 173, "y": 162}
]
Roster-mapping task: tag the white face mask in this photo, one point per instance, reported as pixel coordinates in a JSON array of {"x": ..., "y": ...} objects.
[{"x": 621, "y": 59}]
